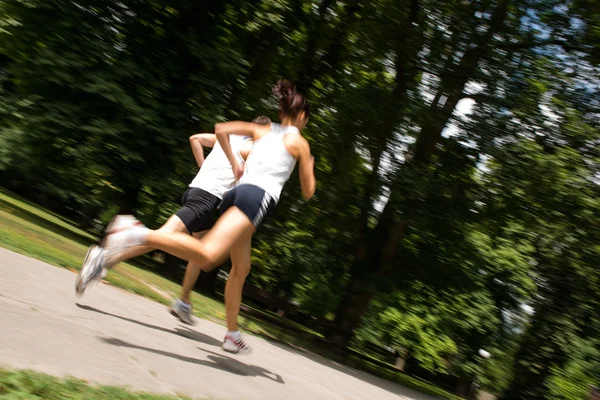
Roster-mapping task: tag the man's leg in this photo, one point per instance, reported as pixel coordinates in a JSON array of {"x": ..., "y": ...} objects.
[
  {"x": 192, "y": 272},
  {"x": 182, "y": 307}
]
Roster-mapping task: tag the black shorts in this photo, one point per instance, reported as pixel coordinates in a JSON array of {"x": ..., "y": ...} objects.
[
  {"x": 251, "y": 200},
  {"x": 197, "y": 211}
]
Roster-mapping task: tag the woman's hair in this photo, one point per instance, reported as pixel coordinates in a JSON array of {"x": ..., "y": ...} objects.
[
  {"x": 291, "y": 101},
  {"x": 261, "y": 120}
]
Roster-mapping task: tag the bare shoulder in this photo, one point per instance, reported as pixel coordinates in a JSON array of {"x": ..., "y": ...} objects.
[
  {"x": 295, "y": 144},
  {"x": 295, "y": 140}
]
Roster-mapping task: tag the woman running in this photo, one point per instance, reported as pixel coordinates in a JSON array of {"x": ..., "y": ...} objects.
[
  {"x": 268, "y": 167},
  {"x": 203, "y": 195}
]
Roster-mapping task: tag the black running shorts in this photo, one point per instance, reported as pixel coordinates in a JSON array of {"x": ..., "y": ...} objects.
[
  {"x": 251, "y": 200},
  {"x": 197, "y": 211}
]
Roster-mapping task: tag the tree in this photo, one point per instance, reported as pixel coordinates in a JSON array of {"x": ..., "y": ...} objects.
[
  {"x": 428, "y": 230},
  {"x": 464, "y": 48}
]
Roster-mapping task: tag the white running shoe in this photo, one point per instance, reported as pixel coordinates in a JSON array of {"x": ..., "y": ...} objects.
[
  {"x": 182, "y": 311},
  {"x": 236, "y": 346},
  {"x": 91, "y": 269},
  {"x": 120, "y": 223},
  {"x": 119, "y": 236}
]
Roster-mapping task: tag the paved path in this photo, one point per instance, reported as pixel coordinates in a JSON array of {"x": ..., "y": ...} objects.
[{"x": 113, "y": 337}]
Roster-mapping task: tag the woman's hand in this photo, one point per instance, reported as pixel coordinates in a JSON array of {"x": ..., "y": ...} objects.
[{"x": 238, "y": 170}]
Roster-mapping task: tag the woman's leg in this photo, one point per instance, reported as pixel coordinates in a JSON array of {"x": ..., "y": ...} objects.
[
  {"x": 240, "y": 268},
  {"x": 207, "y": 252}
]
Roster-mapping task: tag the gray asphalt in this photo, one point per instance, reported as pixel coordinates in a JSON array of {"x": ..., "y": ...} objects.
[{"x": 112, "y": 337}]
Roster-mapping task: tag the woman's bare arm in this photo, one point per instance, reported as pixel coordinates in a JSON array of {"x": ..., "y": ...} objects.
[
  {"x": 300, "y": 149},
  {"x": 224, "y": 129}
]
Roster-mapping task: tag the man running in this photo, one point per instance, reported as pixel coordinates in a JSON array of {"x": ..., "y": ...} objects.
[{"x": 202, "y": 197}]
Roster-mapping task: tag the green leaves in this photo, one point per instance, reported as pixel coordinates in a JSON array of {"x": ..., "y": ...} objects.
[{"x": 575, "y": 380}]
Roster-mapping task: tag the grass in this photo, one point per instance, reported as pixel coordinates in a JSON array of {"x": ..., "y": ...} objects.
[
  {"x": 30, "y": 230},
  {"x": 32, "y": 385},
  {"x": 43, "y": 215}
]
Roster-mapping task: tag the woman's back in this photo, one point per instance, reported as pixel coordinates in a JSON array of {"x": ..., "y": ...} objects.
[{"x": 270, "y": 164}]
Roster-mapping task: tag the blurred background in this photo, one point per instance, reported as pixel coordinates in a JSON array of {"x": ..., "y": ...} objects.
[{"x": 455, "y": 232}]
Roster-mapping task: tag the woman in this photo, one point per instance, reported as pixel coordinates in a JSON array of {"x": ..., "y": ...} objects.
[
  {"x": 268, "y": 167},
  {"x": 204, "y": 194}
]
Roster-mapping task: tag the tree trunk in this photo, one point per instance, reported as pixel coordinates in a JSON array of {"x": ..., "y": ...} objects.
[
  {"x": 464, "y": 386},
  {"x": 371, "y": 254},
  {"x": 540, "y": 348},
  {"x": 349, "y": 317}
]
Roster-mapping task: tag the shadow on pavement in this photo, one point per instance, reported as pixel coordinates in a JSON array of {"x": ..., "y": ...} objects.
[
  {"x": 366, "y": 377},
  {"x": 185, "y": 332},
  {"x": 215, "y": 360}
]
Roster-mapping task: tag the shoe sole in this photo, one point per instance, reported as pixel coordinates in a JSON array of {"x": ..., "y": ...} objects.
[
  {"x": 237, "y": 349},
  {"x": 238, "y": 352}
]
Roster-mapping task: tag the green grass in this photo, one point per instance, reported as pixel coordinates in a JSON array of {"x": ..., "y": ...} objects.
[
  {"x": 10, "y": 199},
  {"x": 32, "y": 385},
  {"x": 30, "y": 230}
]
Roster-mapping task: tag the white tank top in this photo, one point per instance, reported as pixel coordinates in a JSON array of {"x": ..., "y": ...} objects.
[
  {"x": 215, "y": 175},
  {"x": 269, "y": 164}
]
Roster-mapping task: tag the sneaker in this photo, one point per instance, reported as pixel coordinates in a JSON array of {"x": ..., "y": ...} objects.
[
  {"x": 183, "y": 311},
  {"x": 236, "y": 346},
  {"x": 120, "y": 223},
  {"x": 91, "y": 269},
  {"x": 119, "y": 236}
]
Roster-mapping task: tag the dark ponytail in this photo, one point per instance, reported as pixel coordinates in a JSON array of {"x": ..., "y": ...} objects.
[{"x": 291, "y": 101}]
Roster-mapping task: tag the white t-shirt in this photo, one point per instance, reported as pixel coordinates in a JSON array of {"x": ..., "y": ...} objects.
[
  {"x": 215, "y": 175},
  {"x": 270, "y": 164}
]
